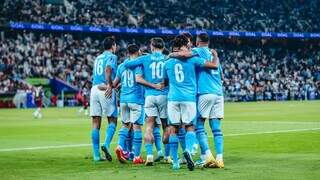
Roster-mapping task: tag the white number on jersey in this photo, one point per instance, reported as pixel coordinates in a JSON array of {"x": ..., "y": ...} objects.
[
  {"x": 178, "y": 71},
  {"x": 156, "y": 69},
  {"x": 128, "y": 79},
  {"x": 214, "y": 71},
  {"x": 98, "y": 69}
]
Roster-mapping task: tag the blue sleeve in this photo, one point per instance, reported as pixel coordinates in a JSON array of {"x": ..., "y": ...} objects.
[
  {"x": 198, "y": 61},
  {"x": 194, "y": 52},
  {"x": 118, "y": 75},
  {"x": 138, "y": 70},
  {"x": 112, "y": 61},
  {"x": 134, "y": 63},
  {"x": 220, "y": 68},
  {"x": 164, "y": 70}
]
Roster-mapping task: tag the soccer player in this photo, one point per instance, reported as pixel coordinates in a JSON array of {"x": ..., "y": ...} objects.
[
  {"x": 104, "y": 69},
  {"x": 131, "y": 106},
  {"x": 155, "y": 105},
  {"x": 180, "y": 75},
  {"x": 182, "y": 130},
  {"x": 38, "y": 94},
  {"x": 82, "y": 97},
  {"x": 210, "y": 102}
]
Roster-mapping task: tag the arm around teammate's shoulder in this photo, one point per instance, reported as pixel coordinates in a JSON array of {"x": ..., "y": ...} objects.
[{"x": 134, "y": 62}]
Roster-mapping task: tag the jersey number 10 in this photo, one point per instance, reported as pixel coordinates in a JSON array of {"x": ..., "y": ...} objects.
[{"x": 156, "y": 69}]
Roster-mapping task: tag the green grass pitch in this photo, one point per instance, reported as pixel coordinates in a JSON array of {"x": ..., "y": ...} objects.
[{"x": 263, "y": 140}]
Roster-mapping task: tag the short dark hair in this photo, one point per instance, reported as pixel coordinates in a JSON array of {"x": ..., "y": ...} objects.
[
  {"x": 157, "y": 42},
  {"x": 188, "y": 35},
  {"x": 166, "y": 51},
  {"x": 180, "y": 41},
  {"x": 133, "y": 48},
  {"x": 203, "y": 37},
  {"x": 108, "y": 42}
]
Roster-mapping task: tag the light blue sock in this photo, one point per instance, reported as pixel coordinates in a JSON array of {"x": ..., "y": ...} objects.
[
  {"x": 126, "y": 143},
  {"x": 190, "y": 139},
  {"x": 148, "y": 147},
  {"x": 109, "y": 134},
  {"x": 130, "y": 140},
  {"x": 174, "y": 143},
  {"x": 95, "y": 137},
  {"x": 202, "y": 136},
  {"x": 182, "y": 138},
  {"x": 123, "y": 133},
  {"x": 137, "y": 142},
  {"x": 167, "y": 150},
  {"x": 215, "y": 125},
  {"x": 157, "y": 138}
]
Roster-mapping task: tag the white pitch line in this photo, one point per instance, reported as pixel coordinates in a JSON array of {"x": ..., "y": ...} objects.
[
  {"x": 86, "y": 145},
  {"x": 44, "y": 147},
  {"x": 273, "y": 132}
]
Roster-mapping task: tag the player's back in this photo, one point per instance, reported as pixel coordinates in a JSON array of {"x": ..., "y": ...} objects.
[
  {"x": 209, "y": 80},
  {"x": 100, "y": 63},
  {"x": 131, "y": 91},
  {"x": 182, "y": 78},
  {"x": 153, "y": 72}
]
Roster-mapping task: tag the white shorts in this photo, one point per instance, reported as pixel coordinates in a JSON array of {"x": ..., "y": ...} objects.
[
  {"x": 156, "y": 106},
  {"x": 132, "y": 113},
  {"x": 182, "y": 113},
  {"x": 100, "y": 105},
  {"x": 211, "y": 106}
]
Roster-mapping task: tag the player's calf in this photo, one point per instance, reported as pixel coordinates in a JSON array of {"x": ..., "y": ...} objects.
[
  {"x": 137, "y": 142},
  {"x": 148, "y": 140},
  {"x": 215, "y": 125},
  {"x": 190, "y": 140},
  {"x": 123, "y": 133}
]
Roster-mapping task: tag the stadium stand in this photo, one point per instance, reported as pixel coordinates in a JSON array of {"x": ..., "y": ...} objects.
[
  {"x": 242, "y": 15},
  {"x": 253, "y": 69}
]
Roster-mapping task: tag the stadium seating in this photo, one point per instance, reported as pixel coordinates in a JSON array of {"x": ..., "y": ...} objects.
[
  {"x": 241, "y": 15},
  {"x": 252, "y": 71}
]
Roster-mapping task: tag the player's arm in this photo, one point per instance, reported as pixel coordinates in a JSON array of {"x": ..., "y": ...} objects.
[
  {"x": 211, "y": 64},
  {"x": 108, "y": 84},
  {"x": 165, "y": 81},
  {"x": 142, "y": 81},
  {"x": 205, "y": 64},
  {"x": 116, "y": 82},
  {"x": 181, "y": 54},
  {"x": 134, "y": 63},
  {"x": 214, "y": 62},
  {"x": 221, "y": 73}
]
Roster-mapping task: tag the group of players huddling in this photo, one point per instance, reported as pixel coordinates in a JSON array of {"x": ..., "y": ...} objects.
[{"x": 178, "y": 92}]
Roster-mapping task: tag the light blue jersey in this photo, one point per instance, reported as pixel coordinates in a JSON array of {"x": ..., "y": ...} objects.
[
  {"x": 99, "y": 68},
  {"x": 182, "y": 78},
  {"x": 209, "y": 80},
  {"x": 131, "y": 91},
  {"x": 152, "y": 71}
]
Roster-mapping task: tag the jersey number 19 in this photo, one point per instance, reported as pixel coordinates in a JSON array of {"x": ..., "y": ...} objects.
[{"x": 128, "y": 79}]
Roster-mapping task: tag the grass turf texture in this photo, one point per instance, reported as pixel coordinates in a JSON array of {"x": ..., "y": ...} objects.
[{"x": 263, "y": 140}]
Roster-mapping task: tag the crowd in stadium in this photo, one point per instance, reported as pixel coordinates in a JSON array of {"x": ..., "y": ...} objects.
[
  {"x": 242, "y": 15},
  {"x": 250, "y": 72}
]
